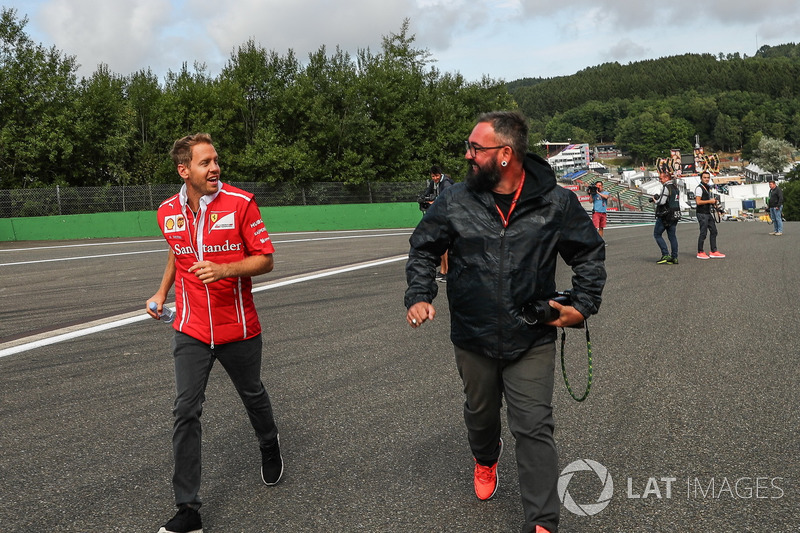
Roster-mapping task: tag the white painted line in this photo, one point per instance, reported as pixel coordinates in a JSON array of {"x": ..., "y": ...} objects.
[
  {"x": 159, "y": 239},
  {"x": 326, "y": 273},
  {"x": 81, "y": 257},
  {"x": 69, "y": 335},
  {"x": 344, "y": 237},
  {"x": 163, "y": 250},
  {"x": 82, "y": 245},
  {"x": 74, "y": 332}
]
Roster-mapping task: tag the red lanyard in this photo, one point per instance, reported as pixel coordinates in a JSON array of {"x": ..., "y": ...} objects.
[{"x": 513, "y": 203}]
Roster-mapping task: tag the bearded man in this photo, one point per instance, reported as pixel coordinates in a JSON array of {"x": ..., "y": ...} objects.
[{"x": 505, "y": 227}]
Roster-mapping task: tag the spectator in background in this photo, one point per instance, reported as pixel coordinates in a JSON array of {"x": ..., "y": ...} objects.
[
  {"x": 705, "y": 217},
  {"x": 436, "y": 186},
  {"x": 667, "y": 201},
  {"x": 599, "y": 206},
  {"x": 775, "y": 206}
]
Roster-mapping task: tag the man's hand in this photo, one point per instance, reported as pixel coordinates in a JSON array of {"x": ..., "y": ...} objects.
[
  {"x": 419, "y": 313},
  {"x": 159, "y": 301},
  {"x": 254, "y": 265},
  {"x": 567, "y": 315},
  {"x": 208, "y": 272}
]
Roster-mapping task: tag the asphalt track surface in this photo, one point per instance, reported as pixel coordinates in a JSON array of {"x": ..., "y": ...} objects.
[{"x": 693, "y": 412}]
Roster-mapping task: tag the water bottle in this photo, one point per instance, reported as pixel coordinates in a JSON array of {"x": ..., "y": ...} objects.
[{"x": 166, "y": 316}]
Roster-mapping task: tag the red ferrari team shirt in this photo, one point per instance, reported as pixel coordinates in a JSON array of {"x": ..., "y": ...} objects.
[{"x": 227, "y": 228}]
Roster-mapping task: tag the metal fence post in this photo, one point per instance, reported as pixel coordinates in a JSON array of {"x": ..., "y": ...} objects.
[{"x": 58, "y": 198}]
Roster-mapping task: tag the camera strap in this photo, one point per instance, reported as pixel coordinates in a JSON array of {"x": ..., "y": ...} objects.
[{"x": 589, "y": 356}]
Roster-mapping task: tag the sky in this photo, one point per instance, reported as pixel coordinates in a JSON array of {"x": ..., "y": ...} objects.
[{"x": 501, "y": 39}]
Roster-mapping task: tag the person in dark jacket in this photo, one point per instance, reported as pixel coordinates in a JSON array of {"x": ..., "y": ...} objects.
[
  {"x": 505, "y": 227},
  {"x": 775, "y": 206},
  {"x": 666, "y": 202},
  {"x": 438, "y": 183}
]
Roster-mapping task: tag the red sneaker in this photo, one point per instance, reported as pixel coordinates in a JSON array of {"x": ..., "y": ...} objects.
[
  {"x": 702, "y": 255},
  {"x": 540, "y": 529},
  {"x": 485, "y": 478},
  {"x": 716, "y": 255}
]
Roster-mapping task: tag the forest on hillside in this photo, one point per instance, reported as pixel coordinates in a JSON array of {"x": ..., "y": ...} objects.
[
  {"x": 649, "y": 107},
  {"x": 384, "y": 115}
]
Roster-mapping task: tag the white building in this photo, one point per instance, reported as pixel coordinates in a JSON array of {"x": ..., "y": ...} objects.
[
  {"x": 572, "y": 157},
  {"x": 755, "y": 173}
]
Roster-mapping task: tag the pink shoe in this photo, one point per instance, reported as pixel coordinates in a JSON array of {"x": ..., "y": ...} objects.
[
  {"x": 716, "y": 255},
  {"x": 702, "y": 255}
]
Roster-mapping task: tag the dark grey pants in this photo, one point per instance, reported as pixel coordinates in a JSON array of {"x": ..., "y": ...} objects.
[
  {"x": 707, "y": 225},
  {"x": 193, "y": 362},
  {"x": 528, "y": 387}
]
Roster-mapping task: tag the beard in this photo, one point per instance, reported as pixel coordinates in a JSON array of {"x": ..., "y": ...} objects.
[{"x": 483, "y": 179}]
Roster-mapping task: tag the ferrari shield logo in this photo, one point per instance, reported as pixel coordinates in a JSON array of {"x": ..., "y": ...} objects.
[{"x": 223, "y": 220}]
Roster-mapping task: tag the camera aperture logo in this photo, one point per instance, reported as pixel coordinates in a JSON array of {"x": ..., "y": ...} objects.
[{"x": 585, "y": 509}]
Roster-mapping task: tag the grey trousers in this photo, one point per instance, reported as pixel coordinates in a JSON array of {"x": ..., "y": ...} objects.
[
  {"x": 193, "y": 362},
  {"x": 707, "y": 225},
  {"x": 528, "y": 387}
]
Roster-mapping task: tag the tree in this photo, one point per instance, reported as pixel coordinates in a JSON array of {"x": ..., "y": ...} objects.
[
  {"x": 791, "y": 195},
  {"x": 773, "y": 155},
  {"x": 142, "y": 99},
  {"x": 104, "y": 131},
  {"x": 647, "y": 137},
  {"x": 727, "y": 133},
  {"x": 392, "y": 85},
  {"x": 194, "y": 102},
  {"x": 37, "y": 97},
  {"x": 334, "y": 118}
]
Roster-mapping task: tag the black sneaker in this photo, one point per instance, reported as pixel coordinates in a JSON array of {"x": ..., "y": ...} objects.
[
  {"x": 664, "y": 259},
  {"x": 187, "y": 520},
  {"x": 672, "y": 261},
  {"x": 272, "y": 463},
  {"x": 441, "y": 278}
]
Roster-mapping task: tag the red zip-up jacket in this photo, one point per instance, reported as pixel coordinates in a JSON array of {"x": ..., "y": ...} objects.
[{"x": 228, "y": 228}]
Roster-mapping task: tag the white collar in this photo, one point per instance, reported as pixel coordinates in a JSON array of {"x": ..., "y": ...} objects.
[{"x": 204, "y": 200}]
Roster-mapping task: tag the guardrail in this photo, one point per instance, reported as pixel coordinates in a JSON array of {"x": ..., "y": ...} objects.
[{"x": 634, "y": 217}]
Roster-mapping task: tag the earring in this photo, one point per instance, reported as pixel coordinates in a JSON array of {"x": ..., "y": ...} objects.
[{"x": 504, "y": 163}]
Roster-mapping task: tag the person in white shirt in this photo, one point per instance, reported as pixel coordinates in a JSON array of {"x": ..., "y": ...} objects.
[{"x": 705, "y": 217}]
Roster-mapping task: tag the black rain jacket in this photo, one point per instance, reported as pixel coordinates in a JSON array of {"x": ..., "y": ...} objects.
[{"x": 495, "y": 271}]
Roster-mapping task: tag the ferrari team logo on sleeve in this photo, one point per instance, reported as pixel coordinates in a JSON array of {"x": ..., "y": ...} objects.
[{"x": 223, "y": 220}]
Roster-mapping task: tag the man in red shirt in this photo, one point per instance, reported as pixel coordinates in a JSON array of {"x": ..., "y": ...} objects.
[{"x": 217, "y": 242}]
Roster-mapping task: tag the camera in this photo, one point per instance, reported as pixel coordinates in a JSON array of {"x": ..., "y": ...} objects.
[
  {"x": 717, "y": 206},
  {"x": 425, "y": 202},
  {"x": 540, "y": 311},
  {"x": 591, "y": 189}
]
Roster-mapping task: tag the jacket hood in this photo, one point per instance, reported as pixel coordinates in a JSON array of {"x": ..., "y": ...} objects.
[{"x": 539, "y": 177}]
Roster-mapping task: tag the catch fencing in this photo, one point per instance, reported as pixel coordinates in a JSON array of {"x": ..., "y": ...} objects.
[{"x": 58, "y": 200}]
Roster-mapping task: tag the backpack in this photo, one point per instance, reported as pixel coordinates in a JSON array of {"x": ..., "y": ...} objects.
[{"x": 670, "y": 213}]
